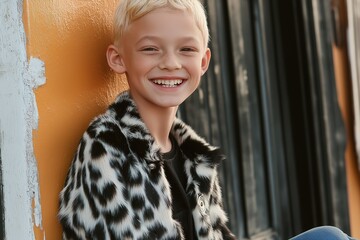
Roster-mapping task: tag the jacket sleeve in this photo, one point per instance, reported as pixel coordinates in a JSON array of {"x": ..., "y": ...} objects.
[{"x": 94, "y": 197}]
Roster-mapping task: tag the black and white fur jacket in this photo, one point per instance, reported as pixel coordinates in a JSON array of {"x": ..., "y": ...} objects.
[{"x": 116, "y": 187}]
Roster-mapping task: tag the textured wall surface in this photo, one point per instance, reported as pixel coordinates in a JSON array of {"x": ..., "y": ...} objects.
[
  {"x": 71, "y": 38},
  {"x": 18, "y": 117}
]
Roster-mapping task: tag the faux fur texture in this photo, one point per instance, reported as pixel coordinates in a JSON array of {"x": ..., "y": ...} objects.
[{"x": 116, "y": 187}]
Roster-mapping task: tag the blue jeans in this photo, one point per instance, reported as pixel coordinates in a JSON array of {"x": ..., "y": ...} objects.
[{"x": 323, "y": 233}]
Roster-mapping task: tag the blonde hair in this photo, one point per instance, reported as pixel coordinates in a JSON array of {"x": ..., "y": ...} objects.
[{"x": 130, "y": 10}]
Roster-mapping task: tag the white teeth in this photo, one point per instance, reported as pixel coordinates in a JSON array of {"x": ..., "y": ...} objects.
[{"x": 168, "y": 83}]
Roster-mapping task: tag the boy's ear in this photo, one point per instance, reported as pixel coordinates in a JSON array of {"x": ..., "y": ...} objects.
[
  {"x": 115, "y": 60},
  {"x": 205, "y": 60}
]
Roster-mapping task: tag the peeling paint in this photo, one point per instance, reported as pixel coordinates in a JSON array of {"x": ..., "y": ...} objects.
[
  {"x": 18, "y": 118},
  {"x": 34, "y": 77}
]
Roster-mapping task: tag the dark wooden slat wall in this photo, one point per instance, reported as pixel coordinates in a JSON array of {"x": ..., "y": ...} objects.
[{"x": 269, "y": 100}]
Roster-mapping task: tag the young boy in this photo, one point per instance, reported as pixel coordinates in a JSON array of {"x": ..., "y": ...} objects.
[{"x": 139, "y": 172}]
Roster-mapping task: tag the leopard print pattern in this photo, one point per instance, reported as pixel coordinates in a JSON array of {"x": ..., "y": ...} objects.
[{"x": 116, "y": 187}]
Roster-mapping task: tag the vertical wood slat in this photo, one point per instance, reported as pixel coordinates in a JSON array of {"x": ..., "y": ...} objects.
[
  {"x": 329, "y": 132},
  {"x": 353, "y": 11},
  {"x": 248, "y": 114},
  {"x": 273, "y": 120},
  {"x": 223, "y": 77}
]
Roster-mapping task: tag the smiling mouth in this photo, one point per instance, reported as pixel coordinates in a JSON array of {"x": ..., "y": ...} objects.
[{"x": 168, "y": 83}]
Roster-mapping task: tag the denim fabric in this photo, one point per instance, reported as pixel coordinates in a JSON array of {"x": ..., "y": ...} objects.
[{"x": 323, "y": 233}]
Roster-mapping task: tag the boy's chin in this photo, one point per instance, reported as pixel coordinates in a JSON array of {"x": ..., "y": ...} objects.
[{"x": 168, "y": 103}]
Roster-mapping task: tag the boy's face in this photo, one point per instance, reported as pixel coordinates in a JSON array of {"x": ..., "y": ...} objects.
[{"x": 163, "y": 56}]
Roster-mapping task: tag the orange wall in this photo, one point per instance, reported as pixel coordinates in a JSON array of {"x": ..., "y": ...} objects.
[
  {"x": 343, "y": 82},
  {"x": 71, "y": 37}
]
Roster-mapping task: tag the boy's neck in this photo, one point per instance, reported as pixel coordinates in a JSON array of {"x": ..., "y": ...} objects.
[{"x": 159, "y": 121}]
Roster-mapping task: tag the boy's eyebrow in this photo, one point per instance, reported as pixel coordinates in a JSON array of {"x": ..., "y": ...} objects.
[
  {"x": 156, "y": 38},
  {"x": 147, "y": 38}
]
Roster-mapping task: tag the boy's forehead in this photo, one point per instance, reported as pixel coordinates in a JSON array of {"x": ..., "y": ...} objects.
[
  {"x": 168, "y": 13},
  {"x": 165, "y": 21}
]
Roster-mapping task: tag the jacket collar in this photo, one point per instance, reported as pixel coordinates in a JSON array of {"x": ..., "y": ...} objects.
[{"x": 143, "y": 145}]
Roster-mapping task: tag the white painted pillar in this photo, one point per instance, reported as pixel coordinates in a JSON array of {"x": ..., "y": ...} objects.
[{"x": 18, "y": 117}]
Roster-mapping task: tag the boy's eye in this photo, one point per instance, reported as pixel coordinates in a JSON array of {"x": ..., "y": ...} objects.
[
  {"x": 149, "y": 49},
  {"x": 188, "y": 49}
]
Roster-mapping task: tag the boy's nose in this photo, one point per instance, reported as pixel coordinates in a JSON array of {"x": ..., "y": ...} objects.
[{"x": 170, "y": 62}]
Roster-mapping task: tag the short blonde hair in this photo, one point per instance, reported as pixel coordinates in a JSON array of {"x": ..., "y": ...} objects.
[{"x": 130, "y": 10}]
